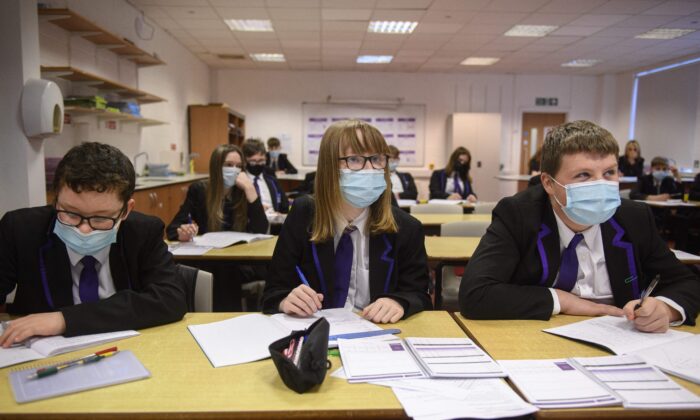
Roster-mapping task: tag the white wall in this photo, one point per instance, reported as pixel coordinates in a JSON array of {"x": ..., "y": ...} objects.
[
  {"x": 271, "y": 101},
  {"x": 21, "y": 160},
  {"x": 183, "y": 80},
  {"x": 667, "y": 114}
]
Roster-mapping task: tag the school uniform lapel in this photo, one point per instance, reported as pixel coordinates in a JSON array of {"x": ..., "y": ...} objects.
[
  {"x": 118, "y": 267},
  {"x": 272, "y": 188},
  {"x": 621, "y": 263},
  {"x": 57, "y": 280},
  {"x": 381, "y": 263},
  {"x": 403, "y": 180},
  {"x": 548, "y": 247}
]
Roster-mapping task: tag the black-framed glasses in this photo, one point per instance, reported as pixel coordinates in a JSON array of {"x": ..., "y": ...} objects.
[
  {"x": 356, "y": 163},
  {"x": 70, "y": 218}
]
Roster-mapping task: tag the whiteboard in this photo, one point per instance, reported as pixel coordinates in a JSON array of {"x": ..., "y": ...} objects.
[{"x": 403, "y": 126}]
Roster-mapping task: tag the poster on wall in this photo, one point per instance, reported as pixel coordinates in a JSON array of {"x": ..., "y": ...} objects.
[{"x": 403, "y": 126}]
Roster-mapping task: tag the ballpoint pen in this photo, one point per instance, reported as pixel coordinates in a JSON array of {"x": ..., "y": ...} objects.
[
  {"x": 302, "y": 277},
  {"x": 648, "y": 291},
  {"x": 91, "y": 358}
]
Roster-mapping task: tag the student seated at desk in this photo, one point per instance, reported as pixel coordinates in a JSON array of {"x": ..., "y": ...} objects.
[
  {"x": 661, "y": 184},
  {"x": 572, "y": 246},
  {"x": 277, "y": 161},
  {"x": 347, "y": 246},
  {"x": 226, "y": 201},
  {"x": 274, "y": 199},
  {"x": 632, "y": 162},
  {"x": 453, "y": 182},
  {"x": 87, "y": 263},
  {"x": 402, "y": 184}
]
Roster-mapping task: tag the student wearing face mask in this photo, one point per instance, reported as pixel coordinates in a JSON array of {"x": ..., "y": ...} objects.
[
  {"x": 632, "y": 162},
  {"x": 347, "y": 247},
  {"x": 661, "y": 184},
  {"x": 453, "y": 182},
  {"x": 572, "y": 246},
  {"x": 402, "y": 184},
  {"x": 273, "y": 197},
  {"x": 226, "y": 201},
  {"x": 87, "y": 263},
  {"x": 277, "y": 162}
]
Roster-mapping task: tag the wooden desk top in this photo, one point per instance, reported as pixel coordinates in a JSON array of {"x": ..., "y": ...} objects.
[
  {"x": 450, "y": 248},
  {"x": 254, "y": 251},
  {"x": 524, "y": 339},
  {"x": 439, "y": 219},
  {"x": 185, "y": 385}
]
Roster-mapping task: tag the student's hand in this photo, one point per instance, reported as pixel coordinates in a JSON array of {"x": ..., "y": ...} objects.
[
  {"x": 302, "y": 301},
  {"x": 573, "y": 305},
  {"x": 244, "y": 183},
  {"x": 20, "y": 329},
  {"x": 659, "y": 197},
  {"x": 471, "y": 198},
  {"x": 454, "y": 196},
  {"x": 654, "y": 316},
  {"x": 187, "y": 232},
  {"x": 383, "y": 310},
  {"x": 278, "y": 173}
]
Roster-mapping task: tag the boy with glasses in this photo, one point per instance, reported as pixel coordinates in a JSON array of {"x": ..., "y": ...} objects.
[{"x": 87, "y": 263}]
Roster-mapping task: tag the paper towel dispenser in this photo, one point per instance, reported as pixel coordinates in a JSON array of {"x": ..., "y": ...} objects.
[{"x": 42, "y": 108}]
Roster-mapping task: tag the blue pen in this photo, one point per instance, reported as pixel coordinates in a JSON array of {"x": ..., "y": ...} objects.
[
  {"x": 302, "y": 277},
  {"x": 363, "y": 334},
  {"x": 189, "y": 218}
]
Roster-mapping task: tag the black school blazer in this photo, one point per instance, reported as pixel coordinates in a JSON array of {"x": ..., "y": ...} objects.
[
  {"x": 438, "y": 183},
  {"x": 148, "y": 293},
  {"x": 283, "y": 163},
  {"x": 410, "y": 192},
  {"x": 518, "y": 259},
  {"x": 398, "y": 266}
]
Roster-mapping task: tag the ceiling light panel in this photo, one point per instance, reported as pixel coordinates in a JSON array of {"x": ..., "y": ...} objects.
[
  {"x": 479, "y": 61},
  {"x": 276, "y": 58},
  {"x": 581, "y": 62},
  {"x": 391, "y": 27},
  {"x": 374, "y": 59},
  {"x": 531, "y": 30},
  {"x": 665, "y": 33},
  {"x": 249, "y": 25}
]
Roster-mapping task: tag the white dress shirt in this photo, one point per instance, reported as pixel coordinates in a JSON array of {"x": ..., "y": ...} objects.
[
  {"x": 265, "y": 196},
  {"x": 396, "y": 184},
  {"x": 450, "y": 184},
  {"x": 104, "y": 275},
  {"x": 358, "y": 290},
  {"x": 592, "y": 280}
]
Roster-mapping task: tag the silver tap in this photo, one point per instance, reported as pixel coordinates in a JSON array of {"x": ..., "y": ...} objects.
[{"x": 144, "y": 166}]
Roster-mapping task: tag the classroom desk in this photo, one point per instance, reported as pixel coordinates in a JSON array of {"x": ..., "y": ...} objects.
[
  {"x": 185, "y": 385},
  {"x": 524, "y": 339},
  {"x": 670, "y": 204},
  {"x": 450, "y": 249},
  {"x": 431, "y": 222},
  {"x": 258, "y": 252},
  {"x": 290, "y": 182}
]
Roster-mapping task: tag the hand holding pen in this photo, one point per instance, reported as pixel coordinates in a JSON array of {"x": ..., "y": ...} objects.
[
  {"x": 302, "y": 300},
  {"x": 91, "y": 358},
  {"x": 650, "y": 314},
  {"x": 187, "y": 232}
]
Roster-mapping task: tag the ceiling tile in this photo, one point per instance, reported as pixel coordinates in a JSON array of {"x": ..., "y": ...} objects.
[
  {"x": 337, "y": 26},
  {"x": 235, "y": 3},
  {"x": 345, "y": 4},
  {"x": 398, "y": 15},
  {"x": 242, "y": 13},
  {"x": 294, "y": 14},
  {"x": 202, "y": 34},
  {"x": 220, "y": 43},
  {"x": 298, "y": 36},
  {"x": 686, "y": 22},
  {"x": 153, "y": 11},
  {"x": 346, "y": 14},
  {"x": 414, "y": 53},
  {"x": 570, "y": 6},
  {"x": 252, "y": 36},
  {"x": 678, "y": 8},
  {"x": 294, "y": 3},
  {"x": 598, "y": 20},
  {"x": 403, "y": 4},
  {"x": 300, "y": 43},
  {"x": 344, "y": 36},
  {"x": 646, "y": 21},
  {"x": 477, "y": 29},
  {"x": 491, "y": 18},
  {"x": 621, "y": 7},
  {"x": 166, "y": 23},
  {"x": 438, "y": 28},
  {"x": 623, "y": 32},
  {"x": 347, "y": 45},
  {"x": 202, "y": 24},
  {"x": 297, "y": 25},
  {"x": 172, "y": 2},
  {"x": 468, "y": 5},
  {"x": 447, "y": 16},
  {"x": 179, "y": 12},
  {"x": 558, "y": 40},
  {"x": 515, "y": 5}
]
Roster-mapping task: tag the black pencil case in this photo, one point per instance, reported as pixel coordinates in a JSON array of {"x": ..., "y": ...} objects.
[{"x": 312, "y": 361}]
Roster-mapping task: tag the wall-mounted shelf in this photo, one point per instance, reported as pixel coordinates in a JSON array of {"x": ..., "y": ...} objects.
[
  {"x": 73, "y": 22},
  {"x": 108, "y": 115},
  {"x": 74, "y": 75}
]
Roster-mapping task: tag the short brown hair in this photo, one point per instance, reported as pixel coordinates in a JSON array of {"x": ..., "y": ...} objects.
[
  {"x": 252, "y": 146},
  {"x": 273, "y": 142},
  {"x": 96, "y": 167},
  {"x": 393, "y": 151},
  {"x": 575, "y": 137},
  {"x": 659, "y": 161},
  {"x": 338, "y": 137}
]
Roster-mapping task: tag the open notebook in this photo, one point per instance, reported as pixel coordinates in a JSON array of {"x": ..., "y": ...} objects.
[
  {"x": 117, "y": 369},
  {"x": 41, "y": 347},
  {"x": 202, "y": 244}
]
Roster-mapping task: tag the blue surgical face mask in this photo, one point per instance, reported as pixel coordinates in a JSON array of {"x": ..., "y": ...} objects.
[
  {"x": 85, "y": 243},
  {"x": 230, "y": 174},
  {"x": 393, "y": 164},
  {"x": 659, "y": 175},
  {"x": 274, "y": 154},
  {"x": 362, "y": 188},
  {"x": 590, "y": 203}
]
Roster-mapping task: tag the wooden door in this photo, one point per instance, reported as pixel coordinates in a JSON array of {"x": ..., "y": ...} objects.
[
  {"x": 535, "y": 127},
  {"x": 209, "y": 128}
]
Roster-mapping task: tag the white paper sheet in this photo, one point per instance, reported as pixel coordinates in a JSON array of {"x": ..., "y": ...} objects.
[
  {"x": 342, "y": 321},
  {"x": 371, "y": 360},
  {"x": 453, "y": 358},
  {"x": 615, "y": 333},
  {"x": 238, "y": 340},
  {"x": 485, "y": 399},
  {"x": 555, "y": 383},
  {"x": 680, "y": 358},
  {"x": 227, "y": 238}
]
